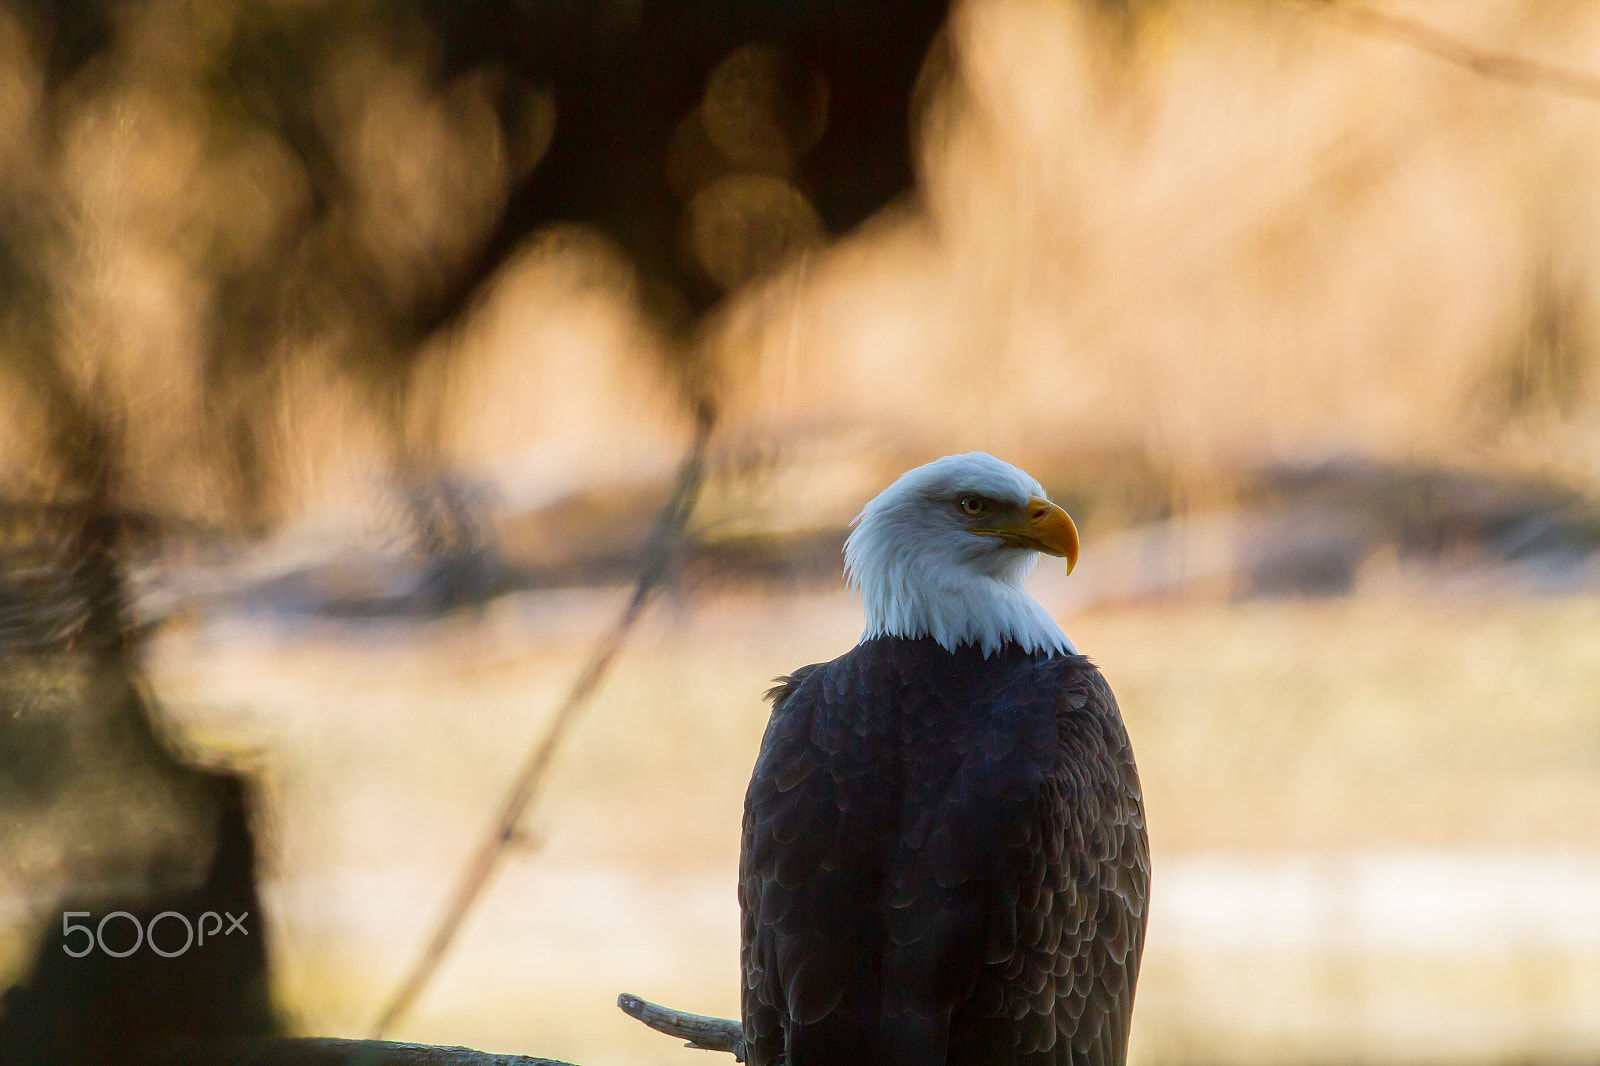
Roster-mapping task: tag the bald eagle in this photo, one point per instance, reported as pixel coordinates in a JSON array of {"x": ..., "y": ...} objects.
[{"x": 944, "y": 856}]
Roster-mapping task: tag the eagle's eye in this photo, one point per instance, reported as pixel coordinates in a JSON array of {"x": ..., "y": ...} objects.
[{"x": 972, "y": 505}]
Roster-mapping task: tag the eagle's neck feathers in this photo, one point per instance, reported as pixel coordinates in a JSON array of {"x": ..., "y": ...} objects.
[
  {"x": 986, "y": 613},
  {"x": 910, "y": 589}
]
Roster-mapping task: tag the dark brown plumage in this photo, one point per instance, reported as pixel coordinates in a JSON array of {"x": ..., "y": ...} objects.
[{"x": 944, "y": 860}]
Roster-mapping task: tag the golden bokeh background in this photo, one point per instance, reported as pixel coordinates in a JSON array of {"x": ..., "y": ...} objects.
[{"x": 1301, "y": 319}]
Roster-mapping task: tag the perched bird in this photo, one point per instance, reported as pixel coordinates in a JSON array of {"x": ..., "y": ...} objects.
[{"x": 944, "y": 856}]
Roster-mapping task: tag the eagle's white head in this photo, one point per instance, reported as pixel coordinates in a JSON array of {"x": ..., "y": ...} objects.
[{"x": 944, "y": 552}]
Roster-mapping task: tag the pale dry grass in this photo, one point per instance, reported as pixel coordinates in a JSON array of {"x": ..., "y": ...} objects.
[
  {"x": 1270, "y": 736},
  {"x": 1249, "y": 234}
]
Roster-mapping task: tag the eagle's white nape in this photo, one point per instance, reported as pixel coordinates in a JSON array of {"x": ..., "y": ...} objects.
[{"x": 922, "y": 573}]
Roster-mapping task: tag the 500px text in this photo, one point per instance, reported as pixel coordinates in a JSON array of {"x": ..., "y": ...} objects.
[{"x": 146, "y": 934}]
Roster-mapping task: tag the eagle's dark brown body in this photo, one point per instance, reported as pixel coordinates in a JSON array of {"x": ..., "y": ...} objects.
[{"x": 944, "y": 860}]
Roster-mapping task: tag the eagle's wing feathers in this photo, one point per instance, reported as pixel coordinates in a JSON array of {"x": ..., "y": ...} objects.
[
  {"x": 1018, "y": 896},
  {"x": 985, "y": 905},
  {"x": 812, "y": 826},
  {"x": 1106, "y": 865}
]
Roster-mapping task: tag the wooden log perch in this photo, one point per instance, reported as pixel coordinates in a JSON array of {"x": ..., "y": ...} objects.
[
  {"x": 320, "y": 1051},
  {"x": 697, "y": 1030}
]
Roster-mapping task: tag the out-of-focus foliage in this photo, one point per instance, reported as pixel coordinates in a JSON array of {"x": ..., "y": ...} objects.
[
  {"x": 263, "y": 247},
  {"x": 1249, "y": 233},
  {"x": 274, "y": 254}
]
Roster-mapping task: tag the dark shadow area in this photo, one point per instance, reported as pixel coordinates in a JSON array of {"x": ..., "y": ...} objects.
[{"x": 109, "y": 827}]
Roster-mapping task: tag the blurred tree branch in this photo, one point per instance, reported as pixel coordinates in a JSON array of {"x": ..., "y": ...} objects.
[
  {"x": 1500, "y": 66},
  {"x": 659, "y": 551}
]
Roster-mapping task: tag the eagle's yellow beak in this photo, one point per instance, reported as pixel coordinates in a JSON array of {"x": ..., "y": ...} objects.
[{"x": 1044, "y": 528}]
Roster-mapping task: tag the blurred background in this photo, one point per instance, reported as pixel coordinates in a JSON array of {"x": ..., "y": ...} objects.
[{"x": 349, "y": 350}]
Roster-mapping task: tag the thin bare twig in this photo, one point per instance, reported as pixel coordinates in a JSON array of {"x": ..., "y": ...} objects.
[
  {"x": 664, "y": 539},
  {"x": 1501, "y": 66},
  {"x": 700, "y": 1031}
]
